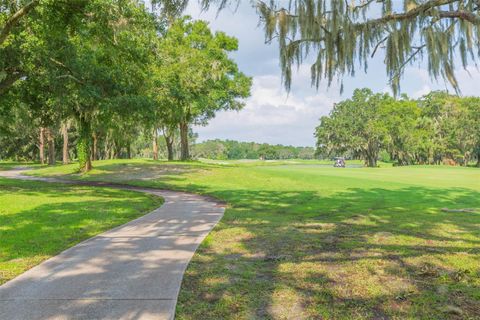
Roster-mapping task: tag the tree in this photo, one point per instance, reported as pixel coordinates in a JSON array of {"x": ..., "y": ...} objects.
[
  {"x": 437, "y": 128},
  {"x": 470, "y": 121},
  {"x": 195, "y": 78},
  {"x": 400, "y": 118},
  {"x": 19, "y": 130},
  {"x": 356, "y": 124},
  {"x": 345, "y": 34},
  {"x": 102, "y": 64}
]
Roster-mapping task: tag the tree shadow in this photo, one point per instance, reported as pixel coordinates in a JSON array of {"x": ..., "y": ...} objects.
[
  {"x": 57, "y": 219},
  {"x": 369, "y": 253},
  {"x": 131, "y": 272},
  {"x": 145, "y": 171},
  {"x": 357, "y": 254}
]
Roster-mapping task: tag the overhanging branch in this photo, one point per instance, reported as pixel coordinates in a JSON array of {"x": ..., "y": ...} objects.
[
  {"x": 15, "y": 18},
  {"x": 8, "y": 82}
]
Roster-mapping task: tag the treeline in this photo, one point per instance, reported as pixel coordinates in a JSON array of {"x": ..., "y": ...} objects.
[
  {"x": 232, "y": 150},
  {"x": 436, "y": 129},
  {"x": 95, "y": 79}
]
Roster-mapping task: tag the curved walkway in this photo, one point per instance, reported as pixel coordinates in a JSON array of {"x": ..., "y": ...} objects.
[{"x": 131, "y": 272}]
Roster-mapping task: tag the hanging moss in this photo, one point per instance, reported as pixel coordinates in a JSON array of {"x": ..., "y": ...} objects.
[{"x": 345, "y": 33}]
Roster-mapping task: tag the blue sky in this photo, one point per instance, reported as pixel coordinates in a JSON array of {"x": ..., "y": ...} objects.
[{"x": 274, "y": 116}]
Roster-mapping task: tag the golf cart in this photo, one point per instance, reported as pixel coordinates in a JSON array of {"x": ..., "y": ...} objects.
[{"x": 339, "y": 162}]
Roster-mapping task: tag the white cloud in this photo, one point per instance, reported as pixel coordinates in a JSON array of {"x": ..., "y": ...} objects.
[
  {"x": 271, "y": 115},
  {"x": 469, "y": 81}
]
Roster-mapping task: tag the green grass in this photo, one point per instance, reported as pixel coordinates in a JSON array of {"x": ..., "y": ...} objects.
[
  {"x": 314, "y": 242},
  {"x": 7, "y": 165},
  {"x": 251, "y": 162},
  {"x": 39, "y": 220}
]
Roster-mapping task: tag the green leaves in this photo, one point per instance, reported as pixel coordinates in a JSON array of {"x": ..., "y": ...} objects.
[
  {"x": 193, "y": 77},
  {"x": 435, "y": 128}
]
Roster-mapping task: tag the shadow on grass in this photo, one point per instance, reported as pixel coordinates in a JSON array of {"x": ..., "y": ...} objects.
[
  {"x": 115, "y": 275},
  {"x": 370, "y": 253},
  {"x": 358, "y": 254},
  {"x": 147, "y": 170},
  {"x": 64, "y": 216}
]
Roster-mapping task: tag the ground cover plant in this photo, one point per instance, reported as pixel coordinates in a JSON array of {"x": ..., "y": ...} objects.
[
  {"x": 315, "y": 242},
  {"x": 39, "y": 220}
]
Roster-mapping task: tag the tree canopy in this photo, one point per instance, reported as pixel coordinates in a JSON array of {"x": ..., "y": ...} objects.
[
  {"x": 437, "y": 128},
  {"x": 194, "y": 78},
  {"x": 104, "y": 72}
]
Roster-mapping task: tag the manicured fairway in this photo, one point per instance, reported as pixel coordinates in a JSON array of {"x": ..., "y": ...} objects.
[
  {"x": 315, "y": 242},
  {"x": 38, "y": 220}
]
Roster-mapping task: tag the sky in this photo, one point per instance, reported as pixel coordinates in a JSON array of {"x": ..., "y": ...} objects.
[{"x": 272, "y": 115}]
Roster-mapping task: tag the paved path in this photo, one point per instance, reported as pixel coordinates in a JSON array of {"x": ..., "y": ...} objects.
[{"x": 131, "y": 272}]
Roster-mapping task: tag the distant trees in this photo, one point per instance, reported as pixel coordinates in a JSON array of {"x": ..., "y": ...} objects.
[
  {"x": 436, "y": 128},
  {"x": 231, "y": 150}
]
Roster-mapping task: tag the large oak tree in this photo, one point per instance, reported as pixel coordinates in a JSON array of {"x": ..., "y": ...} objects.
[{"x": 194, "y": 77}]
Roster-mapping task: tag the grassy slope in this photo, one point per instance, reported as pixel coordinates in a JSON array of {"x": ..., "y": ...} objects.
[
  {"x": 39, "y": 220},
  {"x": 315, "y": 242}
]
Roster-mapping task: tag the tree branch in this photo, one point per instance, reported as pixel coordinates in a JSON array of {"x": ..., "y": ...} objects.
[
  {"x": 406, "y": 15},
  {"x": 461, "y": 14},
  {"x": 410, "y": 58},
  {"x": 378, "y": 45},
  {"x": 71, "y": 73},
  {"x": 71, "y": 77},
  {"x": 11, "y": 78},
  {"x": 15, "y": 18}
]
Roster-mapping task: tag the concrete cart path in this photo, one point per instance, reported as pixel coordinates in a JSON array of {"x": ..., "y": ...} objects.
[{"x": 131, "y": 272}]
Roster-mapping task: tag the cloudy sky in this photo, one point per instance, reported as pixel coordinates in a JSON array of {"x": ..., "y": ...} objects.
[{"x": 274, "y": 116}]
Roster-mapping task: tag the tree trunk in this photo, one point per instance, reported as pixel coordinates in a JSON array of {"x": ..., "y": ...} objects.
[
  {"x": 466, "y": 159},
  {"x": 371, "y": 162},
  {"x": 51, "y": 146},
  {"x": 112, "y": 150},
  {"x": 94, "y": 147},
  {"x": 129, "y": 151},
  {"x": 117, "y": 150},
  {"x": 169, "y": 143},
  {"x": 65, "y": 159},
  {"x": 83, "y": 146},
  {"x": 155, "y": 144},
  {"x": 371, "y": 155},
  {"x": 184, "y": 153},
  {"x": 42, "y": 145}
]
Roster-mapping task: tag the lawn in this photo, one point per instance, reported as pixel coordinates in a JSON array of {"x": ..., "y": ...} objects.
[
  {"x": 314, "y": 242},
  {"x": 38, "y": 220},
  {"x": 7, "y": 165}
]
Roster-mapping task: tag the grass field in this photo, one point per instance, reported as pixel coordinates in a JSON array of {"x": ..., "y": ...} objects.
[
  {"x": 7, "y": 165},
  {"x": 39, "y": 220},
  {"x": 313, "y": 242}
]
